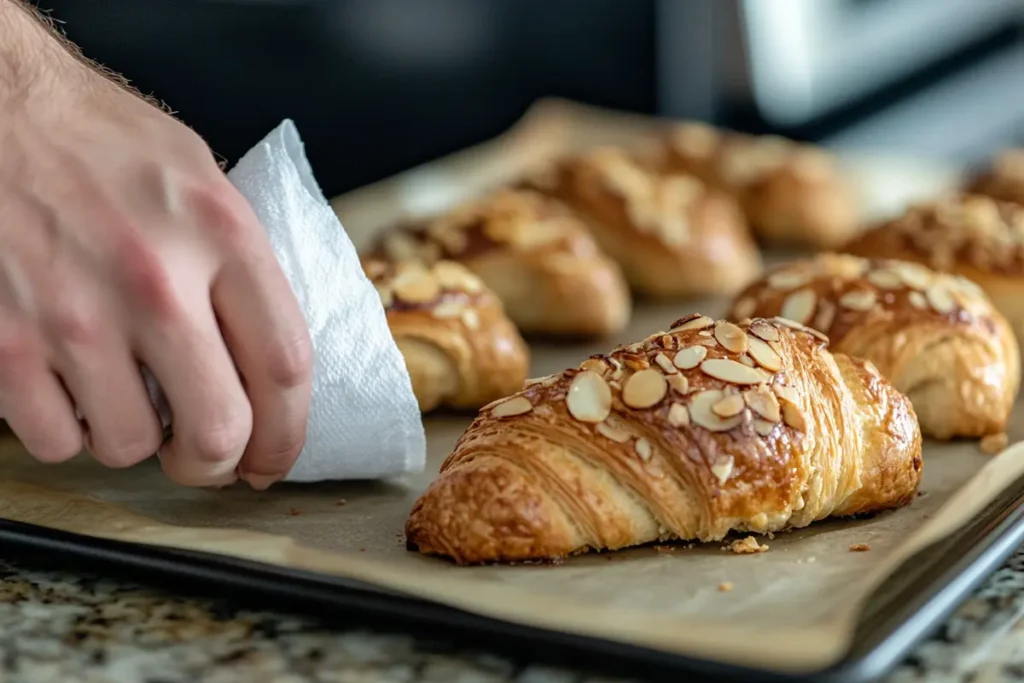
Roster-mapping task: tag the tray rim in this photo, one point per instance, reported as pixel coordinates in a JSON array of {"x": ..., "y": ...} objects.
[{"x": 935, "y": 581}]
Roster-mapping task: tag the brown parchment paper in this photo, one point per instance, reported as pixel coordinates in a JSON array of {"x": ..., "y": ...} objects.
[{"x": 792, "y": 608}]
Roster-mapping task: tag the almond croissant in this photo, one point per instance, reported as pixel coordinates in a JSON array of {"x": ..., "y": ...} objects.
[{"x": 690, "y": 434}]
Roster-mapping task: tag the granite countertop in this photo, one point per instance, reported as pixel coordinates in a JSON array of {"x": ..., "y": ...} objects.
[{"x": 75, "y": 627}]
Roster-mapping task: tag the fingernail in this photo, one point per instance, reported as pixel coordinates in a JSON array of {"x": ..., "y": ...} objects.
[{"x": 261, "y": 482}]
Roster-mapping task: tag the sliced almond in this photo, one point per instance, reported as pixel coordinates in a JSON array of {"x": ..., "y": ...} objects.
[
  {"x": 729, "y": 406},
  {"x": 794, "y": 325},
  {"x": 825, "y": 316},
  {"x": 913, "y": 275},
  {"x": 643, "y": 449},
  {"x": 417, "y": 287},
  {"x": 765, "y": 355},
  {"x": 709, "y": 342},
  {"x": 706, "y": 333},
  {"x": 512, "y": 407},
  {"x": 885, "y": 279},
  {"x": 799, "y": 306},
  {"x": 702, "y": 415},
  {"x": 678, "y": 415},
  {"x": 730, "y": 371},
  {"x": 940, "y": 299},
  {"x": 764, "y": 330},
  {"x": 447, "y": 310},
  {"x": 678, "y": 383},
  {"x": 644, "y": 389},
  {"x": 386, "y": 296},
  {"x": 787, "y": 280},
  {"x": 690, "y": 357},
  {"x": 787, "y": 394},
  {"x": 792, "y": 416},
  {"x": 454, "y": 276},
  {"x": 764, "y": 427},
  {"x": 744, "y": 308},
  {"x": 859, "y": 300},
  {"x": 401, "y": 246},
  {"x": 918, "y": 300},
  {"x": 542, "y": 381},
  {"x": 665, "y": 364},
  {"x": 589, "y": 399},
  {"x": 764, "y": 403},
  {"x": 594, "y": 365},
  {"x": 609, "y": 432},
  {"x": 698, "y": 323},
  {"x": 470, "y": 318},
  {"x": 731, "y": 337},
  {"x": 722, "y": 468},
  {"x": 668, "y": 342},
  {"x": 747, "y": 360}
]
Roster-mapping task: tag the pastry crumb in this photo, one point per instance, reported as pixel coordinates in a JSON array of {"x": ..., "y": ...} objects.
[
  {"x": 665, "y": 548},
  {"x": 745, "y": 546},
  {"x": 859, "y": 547},
  {"x": 725, "y": 586},
  {"x": 340, "y": 502},
  {"x": 811, "y": 559},
  {"x": 994, "y": 443},
  {"x": 295, "y": 512}
]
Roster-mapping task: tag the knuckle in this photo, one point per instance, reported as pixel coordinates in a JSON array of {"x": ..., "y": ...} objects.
[
  {"x": 222, "y": 442},
  {"x": 74, "y": 321},
  {"x": 128, "y": 450},
  {"x": 220, "y": 212},
  {"x": 146, "y": 276},
  {"x": 289, "y": 363},
  {"x": 16, "y": 351}
]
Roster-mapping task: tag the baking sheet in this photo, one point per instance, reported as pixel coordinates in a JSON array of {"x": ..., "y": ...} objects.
[{"x": 791, "y": 609}]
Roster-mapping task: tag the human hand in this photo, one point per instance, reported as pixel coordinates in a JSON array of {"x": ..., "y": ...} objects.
[{"x": 123, "y": 244}]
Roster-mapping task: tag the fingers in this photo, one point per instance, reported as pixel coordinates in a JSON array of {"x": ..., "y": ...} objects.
[
  {"x": 211, "y": 417},
  {"x": 34, "y": 403},
  {"x": 122, "y": 427},
  {"x": 268, "y": 338}
]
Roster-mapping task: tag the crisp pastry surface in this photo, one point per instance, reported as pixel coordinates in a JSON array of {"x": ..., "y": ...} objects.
[
  {"x": 532, "y": 252},
  {"x": 691, "y": 433},
  {"x": 977, "y": 237},
  {"x": 460, "y": 349},
  {"x": 791, "y": 193},
  {"x": 935, "y": 336},
  {"x": 672, "y": 235},
  {"x": 1004, "y": 180}
]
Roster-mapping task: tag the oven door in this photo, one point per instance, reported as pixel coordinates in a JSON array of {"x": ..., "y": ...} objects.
[{"x": 810, "y": 57}]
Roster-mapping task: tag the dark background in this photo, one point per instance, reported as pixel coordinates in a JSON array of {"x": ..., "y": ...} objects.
[{"x": 377, "y": 86}]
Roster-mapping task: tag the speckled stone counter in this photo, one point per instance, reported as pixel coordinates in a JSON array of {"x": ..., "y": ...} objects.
[{"x": 74, "y": 627}]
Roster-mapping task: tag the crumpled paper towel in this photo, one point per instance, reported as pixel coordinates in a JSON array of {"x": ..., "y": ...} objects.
[{"x": 364, "y": 421}]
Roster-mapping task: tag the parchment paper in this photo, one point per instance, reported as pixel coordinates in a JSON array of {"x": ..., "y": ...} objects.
[{"x": 792, "y": 608}]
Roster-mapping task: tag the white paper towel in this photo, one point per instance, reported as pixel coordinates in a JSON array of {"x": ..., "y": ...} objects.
[{"x": 364, "y": 421}]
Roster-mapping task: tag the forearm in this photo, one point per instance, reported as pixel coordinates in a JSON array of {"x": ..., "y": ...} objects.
[{"x": 30, "y": 52}]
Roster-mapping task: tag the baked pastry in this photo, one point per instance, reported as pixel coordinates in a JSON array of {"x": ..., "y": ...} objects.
[
  {"x": 671, "y": 234},
  {"x": 689, "y": 434},
  {"x": 935, "y": 336},
  {"x": 977, "y": 237},
  {"x": 460, "y": 349},
  {"x": 533, "y": 253},
  {"x": 791, "y": 193},
  {"x": 1004, "y": 180}
]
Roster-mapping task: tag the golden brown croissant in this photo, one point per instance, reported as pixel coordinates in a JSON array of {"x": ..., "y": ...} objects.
[
  {"x": 672, "y": 235},
  {"x": 790, "y": 193},
  {"x": 689, "y": 434},
  {"x": 534, "y": 254},
  {"x": 460, "y": 349},
  {"x": 935, "y": 336},
  {"x": 1004, "y": 180},
  {"x": 977, "y": 237}
]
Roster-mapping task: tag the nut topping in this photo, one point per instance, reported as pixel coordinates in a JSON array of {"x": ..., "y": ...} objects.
[
  {"x": 729, "y": 406},
  {"x": 799, "y": 306},
  {"x": 690, "y": 357},
  {"x": 644, "y": 389},
  {"x": 859, "y": 300},
  {"x": 453, "y": 276},
  {"x": 825, "y": 316},
  {"x": 913, "y": 275},
  {"x": 885, "y": 279},
  {"x": 643, "y": 449},
  {"x": 470, "y": 318},
  {"x": 793, "y": 417},
  {"x": 678, "y": 383},
  {"x": 940, "y": 299},
  {"x": 787, "y": 280},
  {"x": 764, "y": 403},
  {"x": 698, "y": 323},
  {"x": 446, "y": 310},
  {"x": 594, "y": 365},
  {"x": 763, "y": 427},
  {"x": 589, "y": 399},
  {"x": 731, "y": 337},
  {"x": 918, "y": 300},
  {"x": 678, "y": 415},
  {"x": 731, "y": 371},
  {"x": 765, "y": 355},
  {"x": 518, "y": 405},
  {"x": 744, "y": 308},
  {"x": 702, "y": 415},
  {"x": 609, "y": 432},
  {"x": 764, "y": 330},
  {"x": 416, "y": 287},
  {"x": 722, "y": 468},
  {"x": 665, "y": 364}
]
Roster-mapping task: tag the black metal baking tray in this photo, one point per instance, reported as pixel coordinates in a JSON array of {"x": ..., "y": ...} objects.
[{"x": 902, "y": 612}]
